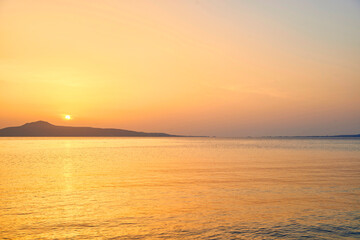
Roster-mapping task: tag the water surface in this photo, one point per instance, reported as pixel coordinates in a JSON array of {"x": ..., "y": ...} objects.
[{"x": 179, "y": 188}]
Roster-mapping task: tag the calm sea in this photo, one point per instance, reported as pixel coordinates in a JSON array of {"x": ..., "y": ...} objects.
[{"x": 179, "y": 188}]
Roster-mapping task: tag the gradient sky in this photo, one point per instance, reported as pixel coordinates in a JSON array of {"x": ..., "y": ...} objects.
[{"x": 224, "y": 68}]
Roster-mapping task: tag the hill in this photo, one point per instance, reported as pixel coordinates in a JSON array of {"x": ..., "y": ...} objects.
[{"x": 45, "y": 129}]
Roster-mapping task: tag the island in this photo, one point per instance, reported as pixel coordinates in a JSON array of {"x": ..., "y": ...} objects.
[{"x": 45, "y": 129}]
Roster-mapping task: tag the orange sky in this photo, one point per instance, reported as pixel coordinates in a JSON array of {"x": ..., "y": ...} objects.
[{"x": 225, "y": 68}]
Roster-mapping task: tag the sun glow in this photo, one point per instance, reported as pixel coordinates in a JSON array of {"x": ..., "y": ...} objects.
[{"x": 229, "y": 68}]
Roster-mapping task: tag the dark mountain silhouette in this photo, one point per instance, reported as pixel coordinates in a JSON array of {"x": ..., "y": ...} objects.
[{"x": 45, "y": 129}]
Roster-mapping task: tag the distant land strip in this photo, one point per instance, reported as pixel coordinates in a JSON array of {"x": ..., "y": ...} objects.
[
  {"x": 326, "y": 136},
  {"x": 45, "y": 129}
]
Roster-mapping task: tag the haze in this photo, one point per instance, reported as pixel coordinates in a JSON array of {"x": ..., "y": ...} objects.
[{"x": 224, "y": 68}]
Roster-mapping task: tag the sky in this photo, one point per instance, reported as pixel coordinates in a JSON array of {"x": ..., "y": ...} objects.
[{"x": 217, "y": 67}]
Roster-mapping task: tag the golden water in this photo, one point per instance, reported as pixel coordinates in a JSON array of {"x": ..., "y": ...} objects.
[{"x": 179, "y": 188}]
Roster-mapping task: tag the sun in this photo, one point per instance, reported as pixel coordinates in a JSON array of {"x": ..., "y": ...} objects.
[{"x": 67, "y": 117}]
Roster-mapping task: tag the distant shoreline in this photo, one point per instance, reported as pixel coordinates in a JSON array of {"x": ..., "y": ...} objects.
[
  {"x": 314, "y": 137},
  {"x": 45, "y": 129}
]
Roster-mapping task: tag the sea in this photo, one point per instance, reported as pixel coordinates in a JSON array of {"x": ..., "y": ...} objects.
[{"x": 179, "y": 188}]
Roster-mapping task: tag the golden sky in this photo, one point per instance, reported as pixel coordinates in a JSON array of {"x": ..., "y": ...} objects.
[{"x": 225, "y": 68}]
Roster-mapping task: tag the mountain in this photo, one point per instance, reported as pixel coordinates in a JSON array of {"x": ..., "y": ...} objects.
[{"x": 45, "y": 129}]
